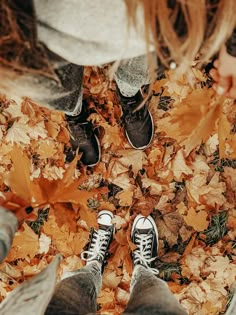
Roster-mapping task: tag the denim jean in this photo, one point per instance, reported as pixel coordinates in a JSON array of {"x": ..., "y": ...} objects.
[{"x": 77, "y": 294}]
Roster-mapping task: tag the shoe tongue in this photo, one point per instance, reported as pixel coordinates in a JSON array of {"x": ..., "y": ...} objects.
[{"x": 144, "y": 231}]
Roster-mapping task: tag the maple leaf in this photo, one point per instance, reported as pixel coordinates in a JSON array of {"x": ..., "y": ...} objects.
[
  {"x": 25, "y": 244},
  {"x": 212, "y": 193},
  {"x": 19, "y": 178},
  {"x": 122, "y": 296},
  {"x": 19, "y": 132},
  {"x": 112, "y": 137},
  {"x": 46, "y": 149},
  {"x": 14, "y": 110},
  {"x": 68, "y": 243},
  {"x": 106, "y": 299},
  {"x": 197, "y": 218},
  {"x": 123, "y": 181},
  {"x": 168, "y": 227},
  {"x": 44, "y": 243},
  {"x": 135, "y": 158},
  {"x": 125, "y": 197},
  {"x": 179, "y": 166},
  {"x": 110, "y": 279},
  {"x": 227, "y": 139},
  {"x": 193, "y": 120},
  {"x": 153, "y": 185},
  {"x": 204, "y": 298}
]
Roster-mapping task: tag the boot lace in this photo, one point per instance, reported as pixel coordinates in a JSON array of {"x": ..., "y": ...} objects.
[
  {"x": 143, "y": 254},
  {"x": 98, "y": 246}
]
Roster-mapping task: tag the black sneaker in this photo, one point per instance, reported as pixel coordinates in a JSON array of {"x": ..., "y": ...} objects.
[
  {"x": 144, "y": 235},
  {"x": 82, "y": 136},
  {"x": 138, "y": 121},
  {"x": 100, "y": 239}
]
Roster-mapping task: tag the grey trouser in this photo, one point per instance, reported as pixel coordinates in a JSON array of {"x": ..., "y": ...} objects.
[{"x": 76, "y": 295}]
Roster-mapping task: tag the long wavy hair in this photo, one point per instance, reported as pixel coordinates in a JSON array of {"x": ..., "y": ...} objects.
[{"x": 180, "y": 30}]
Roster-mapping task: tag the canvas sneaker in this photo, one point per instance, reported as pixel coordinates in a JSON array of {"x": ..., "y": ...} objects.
[
  {"x": 82, "y": 136},
  {"x": 137, "y": 119},
  {"x": 100, "y": 239},
  {"x": 144, "y": 235}
]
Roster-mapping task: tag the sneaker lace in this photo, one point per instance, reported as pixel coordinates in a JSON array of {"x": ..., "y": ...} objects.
[
  {"x": 98, "y": 246},
  {"x": 143, "y": 253}
]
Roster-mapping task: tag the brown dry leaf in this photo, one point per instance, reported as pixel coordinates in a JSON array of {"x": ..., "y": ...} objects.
[
  {"x": 153, "y": 185},
  {"x": 52, "y": 128},
  {"x": 212, "y": 193},
  {"x": 197, "y": 218},
  {"x": 25, "y": 244},
  {"x": 66, "y": 242},
  {"x": 46, "y": 149},
  {"x": 135, "y": 158},
  {"x": 179, "y": 166},
  {"x": 115, "y": 168},
  {"x": 106, "y": 299},
  {"x": 70, "y": 263},
  {"x": 227, "y": 139},
  {"x": 67, "y": 190},
  {"x": 123, "y": 181},
  {"x": 112, "y": 137},
  {"x": 204, "y": 298},
  {"x": 63, "y": 213},
  {"x": 110, "y": 279},
  {"x": 231, "y": 222},
  {"x": 193, "y": 120},
  {"x": 44, "y": 243},
  {"x": 19, "y": 132},
  {"x": 122, "y": 296},
  {"x": 168, "y": 227},
  {"x": 230, "y": 175},
  {"x": 89, "y": 216},
  {"x": 125, "y": 198},
  {"x": 106, "y": 205},
  {"x": 155, "y": 155}
]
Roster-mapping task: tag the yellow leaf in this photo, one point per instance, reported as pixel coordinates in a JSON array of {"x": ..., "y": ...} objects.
[
  {"x": 25, "y": 244},
  {"x": 179, "y": 166},
  {"x": 193, "y": 120}
]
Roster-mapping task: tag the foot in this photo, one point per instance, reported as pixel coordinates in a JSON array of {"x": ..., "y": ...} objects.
[
  {"x": 82, "y": 136},
  {"x": 144, "y": 235},
  {"x": 138, "y": 122},
  {"x": 100, "y": 239}
]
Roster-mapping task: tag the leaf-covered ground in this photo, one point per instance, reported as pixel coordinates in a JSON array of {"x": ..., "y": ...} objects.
[{"x": 186, "y": 179}]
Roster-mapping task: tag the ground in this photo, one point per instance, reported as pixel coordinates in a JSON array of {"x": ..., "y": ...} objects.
[{"x": 186, "y": 180}]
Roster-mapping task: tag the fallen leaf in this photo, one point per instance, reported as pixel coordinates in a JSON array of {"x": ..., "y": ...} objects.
[
  {"x": 125, "y": 198},
  {"x": 197, "y": 219},
  {"x": 25, "y": 244}
]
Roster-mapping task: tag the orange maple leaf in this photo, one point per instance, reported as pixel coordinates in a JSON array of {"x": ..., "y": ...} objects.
[{"x": 193, "y": 120}]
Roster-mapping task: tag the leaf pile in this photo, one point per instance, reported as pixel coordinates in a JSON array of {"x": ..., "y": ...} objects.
[{"x": 186, "y": 179}]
